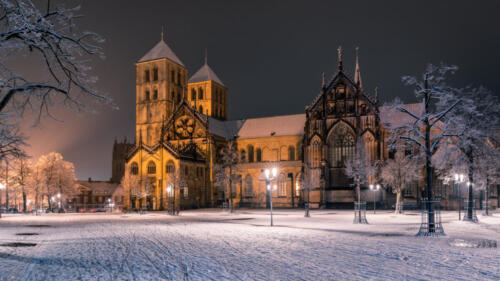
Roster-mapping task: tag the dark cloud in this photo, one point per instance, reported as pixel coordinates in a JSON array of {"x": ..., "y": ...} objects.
[{"x": 271, "y": 54}]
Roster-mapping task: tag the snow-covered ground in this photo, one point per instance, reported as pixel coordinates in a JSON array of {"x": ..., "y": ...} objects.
[{"x": 214, "y": 245}]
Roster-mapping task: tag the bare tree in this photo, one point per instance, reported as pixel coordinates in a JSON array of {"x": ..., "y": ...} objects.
[
  {"x": 53, "y": 45},
  {"x": 225, "y": 170},
  {"x": 22, "y": 172},
  {"x": 399, "y": 173},
  {"x": 360, "y": 169},
  {"x": 428, "y": 128},
  {"x": 175, "y": 182}
]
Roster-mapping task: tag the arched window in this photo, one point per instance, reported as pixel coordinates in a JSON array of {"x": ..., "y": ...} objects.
[
  {"x": 250, "y": 153},
  {"x": 291, "y": 153},
  {"x": 155, "y": 94},
  {"x": 178, "y": 78},
  {"x": 193, "y": 94},
  {"x": 151, "y": 167},
  {"x": 316, "y": 153},
  {"x": 259, "y": 155},
  {"x": 248, "y": 186},
  {"x": 342, "y": 145},
  {"x": 201, "y": 109},
  {"x": 146, "y": 95},
  {"x": 170, "y": 168},
  {"x": 146, "y": 75},
  {"x": 172, "y": 76},
  {"x": 134, "y": 168},
  {"x": 243, "y": 156},
  {"x": 281, "y": 185},
  {"x": 200, "y": 93}
]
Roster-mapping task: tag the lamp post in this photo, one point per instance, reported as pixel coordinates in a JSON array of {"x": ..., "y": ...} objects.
[
  {"x": 459, "y": 178},
  {"x": 270, "y": 177},
  {"x": 169, "y": 189},
  {"x": 374, "y": 187},
  {"x": 59, "y": 201}
]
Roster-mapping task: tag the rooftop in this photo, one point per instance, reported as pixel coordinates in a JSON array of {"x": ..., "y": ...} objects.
[{"x": 160, "y": 51}]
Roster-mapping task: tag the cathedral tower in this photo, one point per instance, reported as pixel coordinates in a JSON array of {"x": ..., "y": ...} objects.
[
  {"x": 207, "y": 93},
  {"x": 161, "y": 83}
]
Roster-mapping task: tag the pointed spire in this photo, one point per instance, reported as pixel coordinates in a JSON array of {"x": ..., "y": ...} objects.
[
  {"x": 357, "y": 72},
  {"x": 339, "y": 53},
  {"x": 323, "y": 80}
]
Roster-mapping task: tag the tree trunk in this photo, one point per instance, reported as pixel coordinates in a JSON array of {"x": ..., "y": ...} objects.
[
  {"x": 486, "y": 211},
  {"x": 471, "y": 191},
  {"x": 428, "y": 171},
  {"x": 24, "y": 202},
  {"x": 399, "y": 202}
]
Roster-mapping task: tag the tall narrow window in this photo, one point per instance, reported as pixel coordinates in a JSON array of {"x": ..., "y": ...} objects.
[
  {"x": 201, "y": 109},
  {"x": 341, "y": 145},
  {"x": 170, "y": 168},
  {"x": 243, "y": 156},
  {"x": 155, "y": 74},
  {"x": 172, "y": 76},
  {"x": 146, "y": 76},
  {"x": 193, "y": 94},
  {"x": 134, "y": 168},
  {"x": 200, "y": 93},
  {"x": 291, "y": 153},
  {"x": 259, "y": 155},
  {"x": 281, "y": 185},
  {"x": 250, "y": 153},
  {"x": 178, "y": 78},
  {"x": 248, "y": 186},
  {"x": 155, "y": 94},
  {"x": 146, "y": 95},
  {"x": 151, "y": 167},
  {"x": 316, "y": 153},
  {"x": 172, "y": 96}
]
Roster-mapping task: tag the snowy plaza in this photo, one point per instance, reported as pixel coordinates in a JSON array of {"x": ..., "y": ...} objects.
[{"x": 210, "y": 244}]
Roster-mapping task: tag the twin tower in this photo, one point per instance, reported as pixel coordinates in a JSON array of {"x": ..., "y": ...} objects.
[{"x": 162, "y": 84}]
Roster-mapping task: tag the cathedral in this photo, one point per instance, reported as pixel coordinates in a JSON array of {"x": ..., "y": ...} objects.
[{"x": 182, "y": 125}]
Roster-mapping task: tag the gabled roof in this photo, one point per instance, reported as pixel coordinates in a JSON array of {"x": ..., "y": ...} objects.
[
  {"x": 159, "y": 51},
  {"x": 205, "y": 73},
  {"x": 283, "y": 125}
]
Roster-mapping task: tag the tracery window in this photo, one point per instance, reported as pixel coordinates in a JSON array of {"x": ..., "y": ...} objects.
[
  {"x": 170, "y": 168},
  {"x": 315, "y": 153},
  {"x": 341, "y": 145}
]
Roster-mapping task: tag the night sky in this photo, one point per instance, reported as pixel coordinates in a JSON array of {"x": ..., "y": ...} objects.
[{"x": 270, "y": 54}]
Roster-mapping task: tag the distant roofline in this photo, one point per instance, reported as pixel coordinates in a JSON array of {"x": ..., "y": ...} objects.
[{"x": 147, "y": 61}]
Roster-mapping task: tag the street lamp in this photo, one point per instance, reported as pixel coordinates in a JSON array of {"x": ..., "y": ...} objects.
[
  {"x": 459, "y": 178},
  {"x": 270, "y": 177},
  {"x": 59, "y": 201},
  {"x": 169, "y": 190},
  {"x": 374, "y": 187}
]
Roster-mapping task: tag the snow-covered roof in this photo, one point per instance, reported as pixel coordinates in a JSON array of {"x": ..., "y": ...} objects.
[
  {"x": 283, "y": 125},
  {"x": 398, "y": 118},
  {"x": 226, "y": 129},
  {"x": 159, "y": 51},
  {"x": 99, "y": 187},
  {"x": 205, "y": 73}
]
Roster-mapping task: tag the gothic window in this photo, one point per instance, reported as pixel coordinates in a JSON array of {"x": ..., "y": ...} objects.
[
  {"x": 134, "y": 168},
  {"x": 316, "y": 153},
  {"x": 155, "y": 74},
  {"x": 155, "y": 94},
  {"x": 146, "y": 95},
  {"x": 200, "y": 93},
  {"x": 248, "y": 186},
  {"x": 170, "y": 168},
  {"x": 146, "y": 75},
  {"x": 259, "y": 155},
  {"x": 172, "y": 76},
  {"x": 151, "y": 167},
  {"x": 341, "y": 145},
  {"x": 291, "y": 153},
  {"x": 370, "y": 145},
  {"x": 193, "y": 94},
  {"x": 282, "y": 185},
  {"x": 250, "y": 153}
]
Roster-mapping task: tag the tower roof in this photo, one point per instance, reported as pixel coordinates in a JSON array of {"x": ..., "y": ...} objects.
[
  {"x": 205, "y": 73},
  {"x": 159, "y": 51}
]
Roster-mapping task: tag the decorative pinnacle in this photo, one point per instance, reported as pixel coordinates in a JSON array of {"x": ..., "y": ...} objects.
[{"x": 339, "y": 53}]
